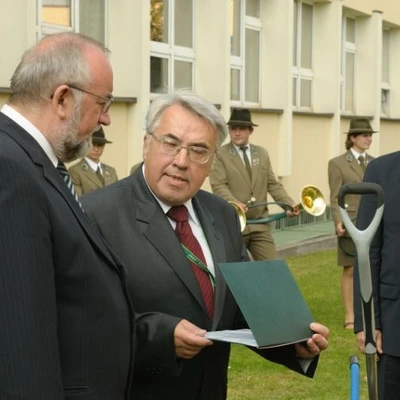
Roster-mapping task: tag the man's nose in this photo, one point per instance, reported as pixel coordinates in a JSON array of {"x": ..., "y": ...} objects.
[{"x": 182, "y": 158}]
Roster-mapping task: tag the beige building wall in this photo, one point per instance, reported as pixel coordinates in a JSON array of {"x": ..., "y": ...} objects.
[{"x": 300, "y": 142}]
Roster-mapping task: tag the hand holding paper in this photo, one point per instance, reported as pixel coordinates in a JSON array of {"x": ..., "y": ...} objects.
[
  {"x": 317, "y": 343},
  {"x": 273, "y": 307}
]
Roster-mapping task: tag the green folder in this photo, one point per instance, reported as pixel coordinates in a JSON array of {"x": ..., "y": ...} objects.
[{"x": 270, "y": 301}]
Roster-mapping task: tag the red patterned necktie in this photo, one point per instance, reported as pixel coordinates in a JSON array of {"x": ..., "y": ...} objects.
[{"x": 185, "y": 235}]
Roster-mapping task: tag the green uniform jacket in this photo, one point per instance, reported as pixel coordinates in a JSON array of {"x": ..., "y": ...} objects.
[
  {"x": 341, "y": 170},
  {"x": 85, "y": 179},
  {"x": 229, "y": 179}
]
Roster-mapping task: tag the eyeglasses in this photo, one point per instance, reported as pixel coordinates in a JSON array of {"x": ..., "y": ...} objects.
[
  {"x": 172, "y": 147},
  {"x": 108, "y": 100}
]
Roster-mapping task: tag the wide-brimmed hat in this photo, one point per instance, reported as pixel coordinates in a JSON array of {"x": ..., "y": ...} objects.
[
  {"x": 240, "y": 117},
  {"x": 358, "y": 126},
  {"x": 99, "y": 137}
]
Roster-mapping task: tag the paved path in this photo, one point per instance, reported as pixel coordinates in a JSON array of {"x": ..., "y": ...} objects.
[{"x": 304, "y": 239}]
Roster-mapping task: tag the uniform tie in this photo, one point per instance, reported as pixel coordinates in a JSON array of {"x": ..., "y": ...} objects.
[
  {"x": 361, "y": 160},
  {"x": 67, "y": 179},
  {"x": 246, "y": 160},
  {"x": 99, "y": 175},
  {"x": 185, "y": 235}
]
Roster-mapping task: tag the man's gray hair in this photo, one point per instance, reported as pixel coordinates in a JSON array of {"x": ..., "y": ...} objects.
[
  {"x": 55, "y": 60},
  {"x": 193, "y": 103}
]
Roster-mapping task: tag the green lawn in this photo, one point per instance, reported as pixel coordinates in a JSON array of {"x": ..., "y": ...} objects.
[{"x": 253, "y": 378}]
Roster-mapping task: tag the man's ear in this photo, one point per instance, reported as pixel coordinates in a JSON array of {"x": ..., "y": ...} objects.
[
  {"x": 144, "y": 146},
  {"x": 62, "y": 101}
]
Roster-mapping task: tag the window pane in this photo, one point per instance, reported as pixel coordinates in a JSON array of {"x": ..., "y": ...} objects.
[
  {"x": 385, "y": 102},
  {"x": 235, "y": 27},
  {"x": 350, "y": 30},
  {"x": 92, "y": 19},
  {"x": 306, "y": 35},
  {"x": 183, "y": 23},
  {"x": 305, "y": 93},
  {"x": 235, "y": 84},
  {"x": 159, "y": 21},
  {"x": 385, "y": 56},
  {"x": 252, "y": 66},
  {"x": 294, "y": 91},
  {"x": 57, "y": 12},
  {"x": 295, "y": 28},
  {"x": 183, "y": 75},
  {"x": 253, "y": 8},
  {"x": 349, "y": 94},
  {"x": 158, "y": 75}
]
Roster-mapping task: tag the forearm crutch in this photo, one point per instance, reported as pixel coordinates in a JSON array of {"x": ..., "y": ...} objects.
[{"x": 362, "y": 240}]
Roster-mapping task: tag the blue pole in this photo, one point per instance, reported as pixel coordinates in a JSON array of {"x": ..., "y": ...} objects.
[{"x": 354, "y": 378}]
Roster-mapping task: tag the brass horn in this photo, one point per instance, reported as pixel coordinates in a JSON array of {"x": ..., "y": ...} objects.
[
  {"x": 311, "y": 201},
  {"x": 241, "y": 215}
]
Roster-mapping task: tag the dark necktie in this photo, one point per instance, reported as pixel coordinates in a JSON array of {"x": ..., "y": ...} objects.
[
  {"x": 361, "y": 160},
  {"x": 67, "y": 179},
  {"x": 246, "y": 160},
  {"x": 187, "y": 239},
  {"x": 99, "y": 175}
]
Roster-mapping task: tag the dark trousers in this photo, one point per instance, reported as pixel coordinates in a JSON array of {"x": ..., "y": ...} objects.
[{"x": 388, "y": 377}]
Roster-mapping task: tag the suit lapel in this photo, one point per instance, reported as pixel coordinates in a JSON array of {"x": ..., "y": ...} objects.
[
  {"x": 238, "y": 162},
  {"x": 160, "y": 234},
  {"x": 52, "y": 176},
  {"x": 354, "y": 164},
  {"x": 255, "y": 163},
  {"x": 90, "y": 174}
]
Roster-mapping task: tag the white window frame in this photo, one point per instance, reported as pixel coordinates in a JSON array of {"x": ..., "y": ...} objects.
[
  {"x": 239, "y": 62},
  {"x": 174, "y": 53},
  {"x": 347, "y": 48},
  {"x": 302, "y": 74},
  {"x": 385, "y": 85},
  {"x": 44, "y": 28}
]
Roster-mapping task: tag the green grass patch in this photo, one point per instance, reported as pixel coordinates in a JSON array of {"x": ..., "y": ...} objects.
[{"x": 253, "y": 378}]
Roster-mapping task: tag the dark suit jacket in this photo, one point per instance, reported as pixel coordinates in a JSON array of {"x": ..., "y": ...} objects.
[
  {"x": 66, "y": 326},
  {"x": 384, "y": 251},
  {"x": 163, "y": 284}
]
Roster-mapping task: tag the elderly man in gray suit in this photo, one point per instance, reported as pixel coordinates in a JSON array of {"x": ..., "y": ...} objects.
[
  {"x": 242, "y": 173},
  {"x": 349, "y": 168},
  {"x": 173, "y": 276}
]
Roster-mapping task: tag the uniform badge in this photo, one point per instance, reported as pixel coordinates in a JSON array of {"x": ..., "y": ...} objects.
[{"x": 349, "y": 158}]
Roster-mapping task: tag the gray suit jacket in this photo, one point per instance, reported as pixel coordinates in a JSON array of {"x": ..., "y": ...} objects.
[
  {"x": 229, "y": 179},
  {"x": 163, "y": 285},
  {"x": 85, "y": 179}
]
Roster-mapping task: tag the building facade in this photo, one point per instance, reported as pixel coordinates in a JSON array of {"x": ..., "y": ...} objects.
[{"x": 303, "y": 67}]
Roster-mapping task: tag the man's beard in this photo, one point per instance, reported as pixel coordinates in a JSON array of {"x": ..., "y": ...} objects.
[{"x": 67, "y": 146}]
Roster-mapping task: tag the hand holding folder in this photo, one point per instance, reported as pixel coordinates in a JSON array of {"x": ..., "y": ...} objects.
[{"x": 271, "y": 303}]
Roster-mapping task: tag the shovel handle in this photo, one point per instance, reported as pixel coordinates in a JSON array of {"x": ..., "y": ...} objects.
[{"x": 360, "y": 188}]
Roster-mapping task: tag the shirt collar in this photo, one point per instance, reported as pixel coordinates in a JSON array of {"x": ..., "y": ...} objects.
[
  {"x": 93, "y": 164},
  {"x": 165, "y": 207},
  {"x": 24, "y": 123},
  {"x": 237, "y": 148},
  {"x": 356, "y": 154}
]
